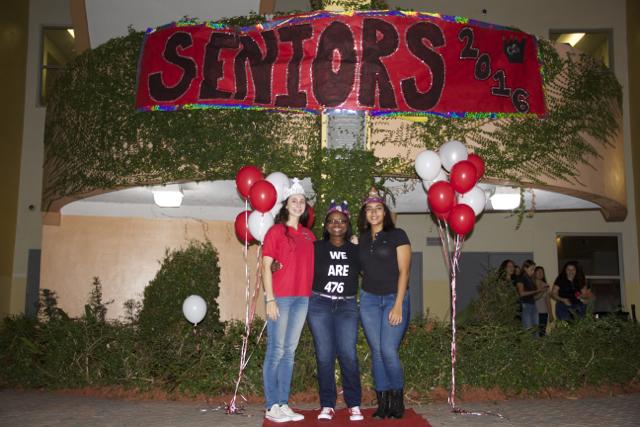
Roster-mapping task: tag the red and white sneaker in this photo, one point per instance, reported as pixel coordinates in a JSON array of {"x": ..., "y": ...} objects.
[
  {"x": 355, "y": 414},
  {"x": 326, "y": 413}
]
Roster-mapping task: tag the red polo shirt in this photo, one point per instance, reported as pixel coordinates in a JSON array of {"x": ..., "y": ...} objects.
[{"x": 295, "y": 252}]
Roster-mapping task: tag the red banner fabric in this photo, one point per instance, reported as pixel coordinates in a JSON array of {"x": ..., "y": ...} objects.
[{"x": 391, "y": 62}]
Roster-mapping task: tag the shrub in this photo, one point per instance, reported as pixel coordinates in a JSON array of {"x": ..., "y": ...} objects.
[
  {"x": 55, "y": 351},
  {"x": 169, "y": 342},
  {"x": 497, "y": 302}
]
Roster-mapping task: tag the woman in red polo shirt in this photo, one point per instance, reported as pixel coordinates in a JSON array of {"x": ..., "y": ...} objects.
[{"x": 287, "y": 299}]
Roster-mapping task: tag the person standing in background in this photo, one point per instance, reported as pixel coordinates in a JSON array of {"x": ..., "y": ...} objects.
[
  {"x": 528, "y": 290},
  {"x": 543, "y": 300}
]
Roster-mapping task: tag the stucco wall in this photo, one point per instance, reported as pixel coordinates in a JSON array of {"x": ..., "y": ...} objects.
[{"x": 125, "y": 253}]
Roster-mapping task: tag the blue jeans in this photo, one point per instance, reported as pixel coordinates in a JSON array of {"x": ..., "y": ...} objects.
[
  {"x": 384, "y": 339},
  {"x": 530, "y": 317},
  {"x": 569, "y": 312},
  {"x": 334, "y": 326},
  {"x": 283, "y": 335}
]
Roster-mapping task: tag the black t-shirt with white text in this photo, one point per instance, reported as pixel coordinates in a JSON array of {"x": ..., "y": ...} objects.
[{"x": 335, "y": 269}]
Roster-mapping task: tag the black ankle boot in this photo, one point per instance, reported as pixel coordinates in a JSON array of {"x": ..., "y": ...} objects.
[
  {"x": 396, "y": 404},
  {"x": 383, "y": 404}
]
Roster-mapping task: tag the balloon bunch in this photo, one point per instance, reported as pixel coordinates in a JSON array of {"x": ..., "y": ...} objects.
[
  {"x": 266, "y": 196},
  {"x": 455, "y": 202}
]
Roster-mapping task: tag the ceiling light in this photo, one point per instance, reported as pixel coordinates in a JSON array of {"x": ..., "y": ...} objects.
[
  {"x": 168, "y": 196},
  {"x": 505, "y": 199},
  {"x": 71, "y": 32},
  {"x": 571, "y": 39}
]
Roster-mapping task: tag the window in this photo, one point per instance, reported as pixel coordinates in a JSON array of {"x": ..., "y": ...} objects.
[
  {"x": 57, "y": 50},
  {"x": 597, "y": 43},
  {"x": 599, "y": 256}
]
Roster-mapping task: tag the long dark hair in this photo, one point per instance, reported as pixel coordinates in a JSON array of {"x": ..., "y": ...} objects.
[
  {"x": 579, "y": 281},
  {"x": 502, "y": 270},
  {"x": 325, "y": 233},
  {"x": 544, "y": 276},
  {"x": 283, "y": 214},
  {"x": 387, "y": 222},
  {"x": 528, "y": 263}
]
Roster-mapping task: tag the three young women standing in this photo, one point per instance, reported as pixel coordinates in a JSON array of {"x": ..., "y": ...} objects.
[{"x": 384, "y": 255}]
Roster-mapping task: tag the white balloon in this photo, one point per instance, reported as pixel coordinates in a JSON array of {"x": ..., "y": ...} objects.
[
  {"x": 259, "y": 224},
  {"x": 276, "y": 209},
  {"x": 442, "y": 176},
  {"x": 451, "y": 152},
  {"x": 280, "y": 181},
  {"x": 428, "y": 165},
  {"x": 475, "y": 198},
  {"x": 194, "y": 308}
]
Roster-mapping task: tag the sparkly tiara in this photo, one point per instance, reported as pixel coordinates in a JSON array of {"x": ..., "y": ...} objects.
[
  {"x": 342, "y": 207},
  {"x": 296, "y": 188},
  {"x": 373, "y": 196}
]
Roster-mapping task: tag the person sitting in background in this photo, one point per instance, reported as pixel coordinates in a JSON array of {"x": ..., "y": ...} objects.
[
  {"x": 543, "y": 300},
  {"x": 566, "y": 291}
]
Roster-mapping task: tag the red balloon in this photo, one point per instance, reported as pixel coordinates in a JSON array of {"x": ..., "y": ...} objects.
[
  {"x": 478, "y": 163},
  {"x": 462, "y": 219},
  {"x": 263, "y": 196},
  {"x": 311, "y": 216},
  {"x": 240, "y": 226},
  {"x": 246, "y": 177},
  {"x": 463, "y": 176},
  {"x": 442, "y": 215},
  {"x": 440, "y": 197}
]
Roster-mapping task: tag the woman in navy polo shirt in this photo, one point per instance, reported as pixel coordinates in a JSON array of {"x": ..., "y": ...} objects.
[
  {"x": 333, "y": 313},
  {"x": 384, "y": 252}
]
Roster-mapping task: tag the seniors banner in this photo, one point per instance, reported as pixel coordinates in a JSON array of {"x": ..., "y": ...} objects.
[{"x": 386, "y": 62}]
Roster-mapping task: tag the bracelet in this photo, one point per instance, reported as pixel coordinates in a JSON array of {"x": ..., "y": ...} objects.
[{"x": 270, "y": 300}]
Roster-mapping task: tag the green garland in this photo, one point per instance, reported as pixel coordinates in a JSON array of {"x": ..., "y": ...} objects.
[{"x": 96, "y": 141}]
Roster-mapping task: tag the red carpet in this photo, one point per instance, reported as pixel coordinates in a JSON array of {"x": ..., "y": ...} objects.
[{"x": 341, "y": 419}]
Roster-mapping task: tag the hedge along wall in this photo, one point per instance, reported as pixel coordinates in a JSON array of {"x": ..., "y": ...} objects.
[{"x": 95, "y": 141}]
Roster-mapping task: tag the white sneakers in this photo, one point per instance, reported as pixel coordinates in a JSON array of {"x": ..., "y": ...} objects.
[
  {"x": 276, "y": 415},
  {"x": 282, "y": 414},
  {"x": 355, "y": 414},
  {"x": 326, "y": 413},
  {"x": 293, "y": 416}
]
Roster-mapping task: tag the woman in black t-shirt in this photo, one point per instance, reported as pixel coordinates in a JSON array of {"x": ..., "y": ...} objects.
[
  {"x": 385, "y": 255},
  {"x": 333, "y": 313},
  {"x": 566, "y": 291}
]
